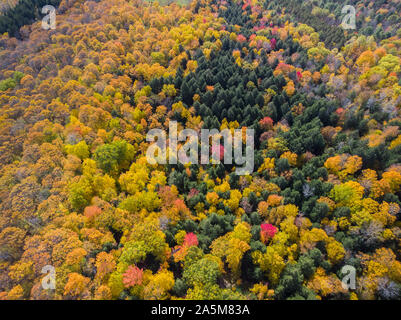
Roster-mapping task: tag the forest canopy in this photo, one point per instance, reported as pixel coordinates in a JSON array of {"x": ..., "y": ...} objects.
[{"x": 78, "y": 194}]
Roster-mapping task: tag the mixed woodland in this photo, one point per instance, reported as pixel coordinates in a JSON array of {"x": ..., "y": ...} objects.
[{"x": 77, "y": 192}]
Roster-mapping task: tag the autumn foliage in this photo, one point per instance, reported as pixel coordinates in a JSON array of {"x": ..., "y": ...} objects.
[{"x": 77, "y": 192}]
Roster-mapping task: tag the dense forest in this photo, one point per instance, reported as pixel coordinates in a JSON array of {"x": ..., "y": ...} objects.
[
  {"x": 21, "y": 13},
  {"x": 77, "y": 192}
]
